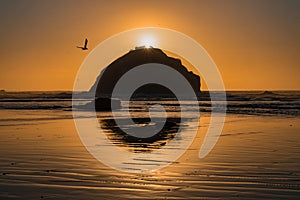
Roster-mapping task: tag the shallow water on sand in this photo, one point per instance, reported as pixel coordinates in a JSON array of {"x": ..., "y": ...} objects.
[{"x": 42, "y": 157}]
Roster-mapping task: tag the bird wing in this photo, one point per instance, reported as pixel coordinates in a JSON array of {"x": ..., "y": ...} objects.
[{"x": 85, "y": 43}]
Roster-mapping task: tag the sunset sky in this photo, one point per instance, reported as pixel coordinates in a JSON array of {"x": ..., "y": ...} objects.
[{"x": 254, "y": 43}]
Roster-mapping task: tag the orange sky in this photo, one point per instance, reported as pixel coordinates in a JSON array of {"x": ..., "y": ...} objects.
[{"x": 255, "y": 44}]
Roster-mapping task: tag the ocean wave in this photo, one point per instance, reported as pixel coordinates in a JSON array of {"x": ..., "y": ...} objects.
[{"x": 260, "y": 103}]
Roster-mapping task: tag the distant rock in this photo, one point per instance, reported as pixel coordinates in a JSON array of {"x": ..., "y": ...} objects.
[
  {"x": 112, "y": 73},
  {"x": 267, "y": 93}
]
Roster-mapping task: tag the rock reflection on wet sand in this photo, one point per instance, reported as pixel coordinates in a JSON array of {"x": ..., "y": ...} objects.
[{"x": 131, "y": 143}]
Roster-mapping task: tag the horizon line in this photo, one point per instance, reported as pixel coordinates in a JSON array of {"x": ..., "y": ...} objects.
[{"x": 204, "y": 90}]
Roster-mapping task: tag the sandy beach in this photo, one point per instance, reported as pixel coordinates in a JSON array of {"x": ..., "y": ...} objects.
[{"x": 42, "y": 157}]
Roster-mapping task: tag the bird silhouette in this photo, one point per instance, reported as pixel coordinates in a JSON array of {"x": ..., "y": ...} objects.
[{"x": 85, "y": 45}]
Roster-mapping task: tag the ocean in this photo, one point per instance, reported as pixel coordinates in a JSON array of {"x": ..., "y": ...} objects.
[{"x": 238, "y": 102}]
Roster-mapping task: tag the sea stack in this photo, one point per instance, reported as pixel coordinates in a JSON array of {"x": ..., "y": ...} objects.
[{"x": 108, "y": 78}]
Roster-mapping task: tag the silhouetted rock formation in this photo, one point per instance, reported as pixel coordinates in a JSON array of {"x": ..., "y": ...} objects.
[
  {"x": 112, "y": 73},
  {"x": 101, "y": 104}
]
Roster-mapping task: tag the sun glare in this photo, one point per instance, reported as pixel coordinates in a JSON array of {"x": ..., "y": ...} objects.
[{"x": 147, "y": 41}]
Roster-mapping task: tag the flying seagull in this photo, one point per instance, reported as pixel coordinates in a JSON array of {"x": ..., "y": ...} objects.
[{"x": 85, "y": 45}]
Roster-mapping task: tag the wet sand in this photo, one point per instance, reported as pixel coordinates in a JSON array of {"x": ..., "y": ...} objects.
[{"x": 42, "y": 157}]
